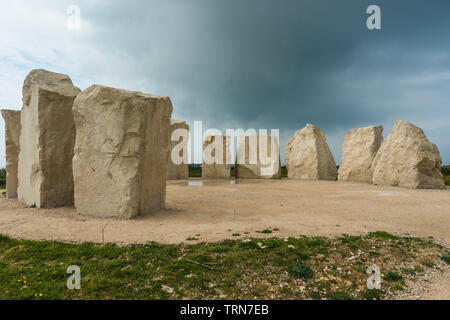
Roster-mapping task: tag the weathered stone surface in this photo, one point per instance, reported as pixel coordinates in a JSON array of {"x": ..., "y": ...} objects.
[
  {"x": 216, "y": 157},
  {"x": 408, "y": 159},
  {"x": 12, "y": 148},
  {"x": 359, "y": 149},
  {"x": 46, "y": 140},
  {"x": 308, "y": 156},
  {"x": 258, "y": 157},
  {"x": 121, "y": 152},
  {"x": 178, "y": 171}
]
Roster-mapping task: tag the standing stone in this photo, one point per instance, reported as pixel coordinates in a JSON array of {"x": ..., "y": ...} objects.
[
  {"x": 258, "y": 157},
  {"x": 121, "y": 152},
  {"x": 46, "y": 140},
  {"x": 408, "y": 159},
  {"x": 359, "y": 149},
  {"x": 308, "y": 156},
  {"x": 216, "y": 157},
  {"x": 12, "y": 148},
  {"x": 178, "y": 171}
]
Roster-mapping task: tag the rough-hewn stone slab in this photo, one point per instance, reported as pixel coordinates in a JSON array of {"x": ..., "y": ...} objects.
[
  {"x": 408, "y": 159},
  {"x": 121, "y": 152},
  {"x": 308, "y": 156},
  {"x": 12, "y": 148},
  {"x": 181, "y": 170},
  {"x": 359, "y": 149},
  {"x": 258, "y": 157},
  {"x": 46, "y": 140},
  {"x": 216, "y": 157}
]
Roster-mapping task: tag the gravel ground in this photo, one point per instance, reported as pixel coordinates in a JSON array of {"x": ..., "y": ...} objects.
[
  {"x": 433, "y": 285},
  {"x": 218, "y": 209}
]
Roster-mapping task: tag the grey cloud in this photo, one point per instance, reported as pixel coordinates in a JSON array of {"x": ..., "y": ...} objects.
[{"x": 276, "y": 64}]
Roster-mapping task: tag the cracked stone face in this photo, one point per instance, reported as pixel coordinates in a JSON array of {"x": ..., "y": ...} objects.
[
  {"x": 46, "y": 141},
  {"x": 178, "y": 171},
  {"x": 216, "y": 157},
  {"x": 258, "y": 157},
  {"x": 358, "y": 151},
  {"x": 308, "y": 156},
  {"x": 121, "y": 152},
  {"x": 12, "y": 148},
  {"x": 408, "y": 159}
]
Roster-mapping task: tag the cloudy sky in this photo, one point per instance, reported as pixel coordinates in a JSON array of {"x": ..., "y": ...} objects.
[{"x": 247, "y": 63}]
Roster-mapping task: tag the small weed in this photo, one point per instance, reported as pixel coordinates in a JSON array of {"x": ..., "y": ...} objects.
[
  {"x": 408, "y": 271},
  {"x": 427, "y": 263},
  {"x": 301, "y": 271},
  {"x": 399, "y": 287},
  {"x": 419, "y": 269},
  {"x": 446, "y": 258},
  {"x": 393, "y": 277},
  {"x": 373, "y": 294},
  {"x": 341, "y": 296},
  {"x": 382, "y": 235}
]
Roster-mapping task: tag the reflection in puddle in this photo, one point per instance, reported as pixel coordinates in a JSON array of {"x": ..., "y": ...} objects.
[
  {"x": 218, "y": 182},
  {"x": 195, "y": 184}
]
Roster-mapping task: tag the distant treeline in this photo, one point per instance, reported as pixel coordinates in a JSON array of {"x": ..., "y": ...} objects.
[{"x": 195, "y": 171}]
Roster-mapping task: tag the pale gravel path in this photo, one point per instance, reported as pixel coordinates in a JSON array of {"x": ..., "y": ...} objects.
[
  {"x": 218, "y": 209},
  {"x": 434, "y": 285},
  {"x": 294, "y": 207}
]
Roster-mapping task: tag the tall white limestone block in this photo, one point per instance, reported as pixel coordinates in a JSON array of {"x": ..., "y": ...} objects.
[
  {"x": 46, "y": 140},
  {"x": 216, "y": 157},
  {"x": 121, "y": 152},
  {"x": 408, "y": 159},
  {"x": 359, "y": 149},
  {"x": 258, "y": 157},
  {"x": 178, "y": 145},
  {"x": 308, "y": 156},
  {"x": 12, "y": 148}
]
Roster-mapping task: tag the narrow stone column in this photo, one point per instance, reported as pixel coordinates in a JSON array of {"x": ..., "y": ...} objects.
[
  {"x": 179, "y": 147},
  {"x": 46, "y": 140},
  {"x": 216, "y": 157},
  {"x": 12, "y": 148}
]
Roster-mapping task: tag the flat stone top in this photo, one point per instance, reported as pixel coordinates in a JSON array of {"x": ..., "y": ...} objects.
[
  {"x": 175, "y": 122},
  {"x": 122, "y": 92},
  {"x": 50, "y": 81},
  {"x": 7, "y": 112}
]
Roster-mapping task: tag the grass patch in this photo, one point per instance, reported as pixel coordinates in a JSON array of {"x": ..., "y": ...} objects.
[
  {"x": 341, "y": 296},
  {"x": 446, "y": 258},
  {"x": 393, "y": 276},
  {"x": 373, "y": 294},
  {"x": 447, "y": 180},
  {"x": 301, "y": 271},
  {"x": 266, "y": 231},
  {"x": 382, "y": 235},
  {"x": 325, "y": 268}
]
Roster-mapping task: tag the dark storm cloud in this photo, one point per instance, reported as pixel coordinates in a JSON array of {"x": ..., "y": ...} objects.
[{"x": 277, "y": 64}]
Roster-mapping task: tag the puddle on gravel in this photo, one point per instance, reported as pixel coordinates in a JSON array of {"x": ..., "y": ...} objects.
[{"x": 219, "y": 182}]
